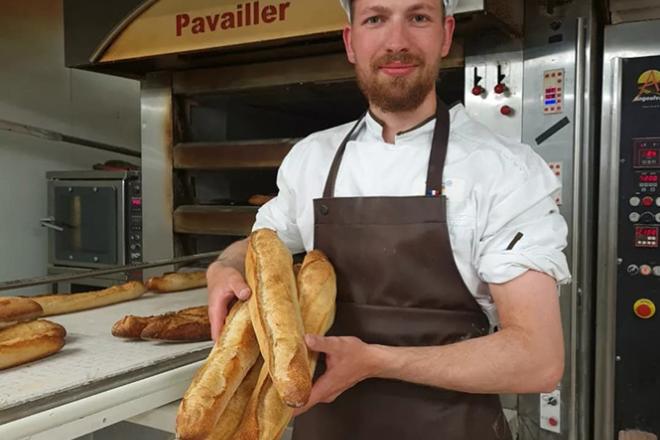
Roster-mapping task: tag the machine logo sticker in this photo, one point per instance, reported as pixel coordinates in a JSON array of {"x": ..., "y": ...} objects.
[{"x": 649, "y": 87}]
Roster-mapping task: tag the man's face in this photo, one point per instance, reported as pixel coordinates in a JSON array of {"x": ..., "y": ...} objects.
[{"x": 397, "y": 46}]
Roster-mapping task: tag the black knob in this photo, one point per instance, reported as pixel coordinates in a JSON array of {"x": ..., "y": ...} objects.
[{"x": 647, "y": 218}]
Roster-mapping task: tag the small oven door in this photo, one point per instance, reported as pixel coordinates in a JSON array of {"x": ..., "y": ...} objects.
[{"x": 88, "y": 220}]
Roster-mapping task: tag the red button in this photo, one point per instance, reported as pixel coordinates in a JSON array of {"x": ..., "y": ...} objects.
[
  {"x": 647, "y": 201},
  {"x": 552, "y": 421},
  {"x": 506, "y": 110},
  {"x": 500, "y": 88},
  {"x": 644, "y": 311},
  {"x": 477, "y": 90},
  {"x": 644, "y": 308}
]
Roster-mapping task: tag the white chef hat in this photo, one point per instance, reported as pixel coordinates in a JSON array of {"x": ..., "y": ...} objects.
[{"x": 450, "y": 5}]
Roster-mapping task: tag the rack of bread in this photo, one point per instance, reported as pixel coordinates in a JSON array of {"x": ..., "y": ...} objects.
[{"x": 50, "y": 363}]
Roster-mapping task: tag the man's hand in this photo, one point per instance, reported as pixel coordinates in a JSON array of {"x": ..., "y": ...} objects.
[
  {"x": 348, "y": 361},
  {"x": 226, "y": 282}
]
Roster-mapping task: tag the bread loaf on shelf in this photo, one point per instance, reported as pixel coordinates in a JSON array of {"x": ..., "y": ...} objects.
[
  {"x": 233, "y": 355},
  {"x": 275, "y": 313},
  {"x": 190, "y": 324},
  {"x": 74, "y": 302},
  {"x": 175, "y": 282},
  {"x": 267, "y": 416},
  {"x": 14, "y": 309},
  {"x": 29, "y": 341}
]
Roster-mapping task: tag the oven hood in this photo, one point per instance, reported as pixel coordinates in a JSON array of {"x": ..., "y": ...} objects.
[{"x": 135, "y": 37}]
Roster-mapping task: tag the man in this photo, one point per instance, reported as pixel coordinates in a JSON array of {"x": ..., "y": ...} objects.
[{"x": 439, "y": 231}]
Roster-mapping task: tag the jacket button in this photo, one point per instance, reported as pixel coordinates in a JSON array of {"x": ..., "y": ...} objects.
[{"x": 324, "y": 210}]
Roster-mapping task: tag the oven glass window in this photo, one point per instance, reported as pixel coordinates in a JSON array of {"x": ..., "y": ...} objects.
[{"x": 89, "y": 218}]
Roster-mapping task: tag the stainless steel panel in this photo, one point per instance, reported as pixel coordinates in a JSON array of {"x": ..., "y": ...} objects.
[
  {"x": 486, "y": 108},
  {"x": 559, "y": 148},
  {"x": 157, "y": 187},
  {"x": 630, "y": 40}
]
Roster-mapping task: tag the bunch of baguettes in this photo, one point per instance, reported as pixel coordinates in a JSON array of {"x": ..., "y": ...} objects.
[{"x": 259, "y": 368}]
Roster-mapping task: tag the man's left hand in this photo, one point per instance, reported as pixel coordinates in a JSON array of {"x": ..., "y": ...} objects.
[{"x": 348, "y": 361}]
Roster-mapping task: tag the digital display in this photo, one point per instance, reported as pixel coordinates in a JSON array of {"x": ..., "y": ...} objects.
[
  {"x": 646, "y": 236},
  {"x": 648, "y": 232},
  {"x": 647, "y": 153},
  {"x": 648, "y": 178}
]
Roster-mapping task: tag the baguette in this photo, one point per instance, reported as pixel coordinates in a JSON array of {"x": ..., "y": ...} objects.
[
  {"x": 174, "y": 282},
  {"x": 191, "y": 324},
  {"x": 130, "y": 326},
  {"x": 29, "y": 341},
  {"x": 266, "y": 416},
  {"x": 233, "y": 414},
  {"x": 235, "y": 352},
  {"x": 60, "y": 304},
  {"x": 276, "y": 318},
  {"x": 14, "y": 309}
]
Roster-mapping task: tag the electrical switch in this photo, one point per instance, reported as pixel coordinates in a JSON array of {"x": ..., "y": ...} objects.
[{"x": 644, "y": 308}]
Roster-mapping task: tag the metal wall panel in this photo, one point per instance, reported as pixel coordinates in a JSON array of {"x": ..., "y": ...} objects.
[{"x": 157, "y": 169}]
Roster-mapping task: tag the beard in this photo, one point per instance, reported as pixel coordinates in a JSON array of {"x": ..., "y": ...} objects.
[{"x": 398, "y": 93}]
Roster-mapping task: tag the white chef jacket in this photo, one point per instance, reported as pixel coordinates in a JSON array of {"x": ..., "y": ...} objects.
[{"x": 495, "y": 188}]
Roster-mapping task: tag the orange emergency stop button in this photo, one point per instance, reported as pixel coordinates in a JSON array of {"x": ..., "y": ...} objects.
[{"x": 644, "y": 308}]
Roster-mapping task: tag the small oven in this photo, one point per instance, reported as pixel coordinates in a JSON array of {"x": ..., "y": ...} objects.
[{"x": 94, "y": 221}]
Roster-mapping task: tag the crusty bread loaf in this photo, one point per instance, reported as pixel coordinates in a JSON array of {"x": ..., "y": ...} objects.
[
  {"x": 191, "y": 324},
  {"x": 276, "y": 318},
  {"x": 235, "y": 352},
  {"x": 14, "y": 309},
  {"x": 130, "y": 326},
  {"x": 266, "y": 416},
  {"x": 174, "y": 282},
  {"x": 233, "y": 414},
  {"x": 67, "y": 303},
  {"x": 29, "y": 341}
]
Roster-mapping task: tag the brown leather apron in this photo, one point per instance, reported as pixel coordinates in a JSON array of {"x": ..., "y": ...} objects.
[{"x": 398, "y": 285}]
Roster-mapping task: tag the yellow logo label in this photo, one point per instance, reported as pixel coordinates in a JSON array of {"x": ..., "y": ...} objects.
[{"x": 649, "y": 86}]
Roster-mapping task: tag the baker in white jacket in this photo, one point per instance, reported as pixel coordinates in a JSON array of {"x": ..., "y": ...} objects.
[{"x": 439, "y": 231}]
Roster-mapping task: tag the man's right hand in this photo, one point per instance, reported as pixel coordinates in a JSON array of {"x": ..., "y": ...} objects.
[{"x": 225, "y": 283}]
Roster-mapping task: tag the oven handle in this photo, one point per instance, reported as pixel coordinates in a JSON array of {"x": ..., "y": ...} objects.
[{"x": 49, "y": 222}]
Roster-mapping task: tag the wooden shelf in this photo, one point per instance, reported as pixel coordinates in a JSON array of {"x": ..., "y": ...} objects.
[
  {"x": 232, "y": 155},
  {"x": 214, "y": 220}
]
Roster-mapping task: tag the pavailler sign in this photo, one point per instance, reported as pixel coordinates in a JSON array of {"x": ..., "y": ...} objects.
[{"x": 175, "y": 26}]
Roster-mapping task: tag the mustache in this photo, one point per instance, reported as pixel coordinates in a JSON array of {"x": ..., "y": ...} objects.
[{"x": 399, "y": 57}]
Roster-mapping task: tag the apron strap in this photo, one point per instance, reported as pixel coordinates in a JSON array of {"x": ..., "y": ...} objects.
[
  {"x": 438, "y": 150},
  {"x": 329, "y": 190}
]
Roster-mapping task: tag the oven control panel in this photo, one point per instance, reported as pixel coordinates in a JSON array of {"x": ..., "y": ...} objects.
[
  {"x": 638, "y": 249},
  {"x": 134, "y": 221}
]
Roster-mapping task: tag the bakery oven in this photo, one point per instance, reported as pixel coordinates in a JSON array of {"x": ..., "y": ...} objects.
[{"x": 94, "y": 220}]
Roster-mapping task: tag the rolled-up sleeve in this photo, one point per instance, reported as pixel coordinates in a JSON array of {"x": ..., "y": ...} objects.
[
  {"x": 279, "y": 213},
  {"x": 523, "y": 229}
]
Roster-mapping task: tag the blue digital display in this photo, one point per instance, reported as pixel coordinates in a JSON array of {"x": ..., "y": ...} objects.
[{"x": 550, "y": 101}]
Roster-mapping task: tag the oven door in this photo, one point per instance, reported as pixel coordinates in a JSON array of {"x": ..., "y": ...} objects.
[{"x": 87, "y": 223}]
